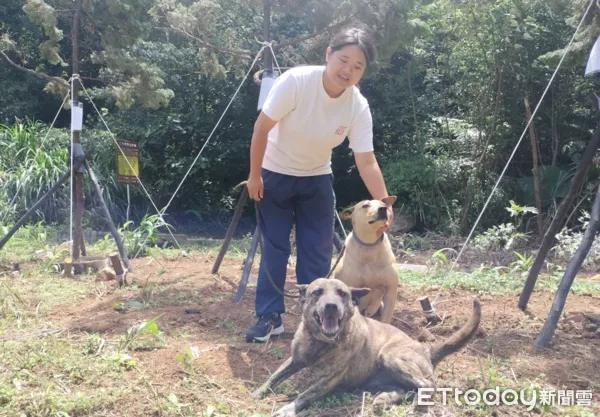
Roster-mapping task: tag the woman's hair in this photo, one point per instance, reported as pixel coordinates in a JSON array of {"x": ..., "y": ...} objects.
[{"x": 355, "y": 36}]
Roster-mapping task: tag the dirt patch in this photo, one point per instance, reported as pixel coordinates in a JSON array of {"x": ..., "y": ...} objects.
[{"x": 197, "y": 309}]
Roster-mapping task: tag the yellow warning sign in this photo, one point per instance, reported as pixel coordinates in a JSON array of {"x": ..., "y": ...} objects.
[
  {"x": 125, "y": 168},
  {"x": 125, "y": 173}
]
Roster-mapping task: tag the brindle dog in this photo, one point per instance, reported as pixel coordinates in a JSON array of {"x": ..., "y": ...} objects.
[{"x": 346, "y": 350}]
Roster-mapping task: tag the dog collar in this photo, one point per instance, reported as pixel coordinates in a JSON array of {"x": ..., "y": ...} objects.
[{"x": 378, "y": 241}]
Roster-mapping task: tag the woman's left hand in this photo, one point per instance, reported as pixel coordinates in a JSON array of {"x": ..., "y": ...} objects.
[{"x": 389, "y": 223}]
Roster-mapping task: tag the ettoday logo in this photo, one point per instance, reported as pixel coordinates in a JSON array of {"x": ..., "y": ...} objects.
[{"x": 495, "y": 396}]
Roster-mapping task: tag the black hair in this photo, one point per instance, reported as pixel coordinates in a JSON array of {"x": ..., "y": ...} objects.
[{"x": 356, "y": 36}]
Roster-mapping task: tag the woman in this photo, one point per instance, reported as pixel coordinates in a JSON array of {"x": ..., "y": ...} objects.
[{"x": 309, "y": 111}]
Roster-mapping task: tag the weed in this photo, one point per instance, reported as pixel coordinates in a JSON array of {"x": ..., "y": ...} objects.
[
  {"x": 522, "y": 264},
  {"x": 188, "y": 358},
  {"x": 277, "y": 352},
  {"x": 135, "y": 333}
]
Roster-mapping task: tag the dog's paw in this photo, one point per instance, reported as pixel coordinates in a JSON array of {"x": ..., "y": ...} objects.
[
  {"x": 387, "y": 399},
  {"x": 381, "y": 402},
  {"x": 286, "y": 411}
]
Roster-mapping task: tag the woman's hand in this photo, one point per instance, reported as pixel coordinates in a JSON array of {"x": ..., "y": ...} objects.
[{"x": 255, "y": 188}]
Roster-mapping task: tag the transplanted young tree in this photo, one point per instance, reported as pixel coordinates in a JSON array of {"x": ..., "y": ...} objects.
[{"x": 96, "y": 39}]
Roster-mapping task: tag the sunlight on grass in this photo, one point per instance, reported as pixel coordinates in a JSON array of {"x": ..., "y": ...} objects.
[
  {"x": 490, "y": 281},
  {"x": 55, "y": 374}
]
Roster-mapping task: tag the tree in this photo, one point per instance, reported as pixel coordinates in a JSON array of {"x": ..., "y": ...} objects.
[
  {"x": 97, "y": 40},
  {"x": 229, "y": 31}
]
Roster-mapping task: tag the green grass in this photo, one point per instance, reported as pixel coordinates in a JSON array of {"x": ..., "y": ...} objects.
[
  {"x": 53, "y": 375},
  {"x": 490, "y": 281},
  {"x": 62, "y": 374}
]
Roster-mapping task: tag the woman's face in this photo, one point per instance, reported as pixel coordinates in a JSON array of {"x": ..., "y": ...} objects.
[{"x": 345, "y": 67}]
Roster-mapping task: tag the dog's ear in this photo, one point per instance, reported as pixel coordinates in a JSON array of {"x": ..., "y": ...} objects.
[
  {"x": 302, "y": 289},
  {"x": 390, "y": 200},
  {"x": 346, "y": 214},
  {"x": 358, "y": 293}
]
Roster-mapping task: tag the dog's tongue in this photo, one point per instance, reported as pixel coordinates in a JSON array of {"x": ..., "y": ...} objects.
[{"x": 330, "y": 324}]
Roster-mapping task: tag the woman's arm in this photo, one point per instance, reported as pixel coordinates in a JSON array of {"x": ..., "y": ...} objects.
[
  {"x": 258, "y": 146},
  {"x": 371, "y": 175}
]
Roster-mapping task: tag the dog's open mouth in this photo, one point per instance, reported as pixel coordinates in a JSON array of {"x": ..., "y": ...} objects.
[{"x": 329, "y": 324}]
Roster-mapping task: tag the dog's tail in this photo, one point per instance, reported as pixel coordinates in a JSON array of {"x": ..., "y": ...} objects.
[{"x": 459, "y": 339}]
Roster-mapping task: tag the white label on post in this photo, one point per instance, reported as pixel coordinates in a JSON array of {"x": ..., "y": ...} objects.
[
  {"x": 265, "y": 87},
  {"x": 593, "y": 64},
  {"x": 76, "y": 116}
]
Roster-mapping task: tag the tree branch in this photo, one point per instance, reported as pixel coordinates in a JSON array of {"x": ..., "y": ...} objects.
[
  {"x": 312, "y": 35},
  {"x": 32, "y": 72},
  {"x": 96, "y": 80},
  {"x": 238, "y": 53}
]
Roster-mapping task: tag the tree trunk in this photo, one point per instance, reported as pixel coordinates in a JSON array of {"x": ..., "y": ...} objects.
[
  {"x": 536, "y": 174},
  {"x": 560, "y": 298},
  {"x": 555, "y": 143},
  {"x": 77, "y": 174},
  {"x": 267, "y": 58},
  {"x": 464, "y": 223},
  {"x": 559, "y": 218}
]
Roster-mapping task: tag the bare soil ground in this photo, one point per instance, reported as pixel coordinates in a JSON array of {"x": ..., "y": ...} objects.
[{"x": 196, "y": 309}]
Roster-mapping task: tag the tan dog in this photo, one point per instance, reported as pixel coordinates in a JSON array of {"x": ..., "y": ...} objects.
[
  {"x": 346, "y": 350},
  {"x": 368, "y": 260}
]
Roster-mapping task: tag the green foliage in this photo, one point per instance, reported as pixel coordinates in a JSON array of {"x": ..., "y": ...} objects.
[
  {"x": 135, "y": 333},
  {"x": 142, "y": 237},
  {"x": 107, "y": 33},
  {"x": 569, "y": 239},
  {"x": 506, "y": 235},
  {"x": 554, "y": 185},
  {"x": 446, "y": 95}
]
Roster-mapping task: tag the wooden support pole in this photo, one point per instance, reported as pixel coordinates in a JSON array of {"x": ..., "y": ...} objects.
[
  {"x": 111, "y": 225},
  {"x": 118, "y": 268},
  {"x": 231, "y": 230},
  {"x": 560, "y": 298},
  {"x": 34, "y": 208},
  {"x": 247, "y": 266},
  {"x": 77, "y": 174},
  {"x": 559, "y": 218}
]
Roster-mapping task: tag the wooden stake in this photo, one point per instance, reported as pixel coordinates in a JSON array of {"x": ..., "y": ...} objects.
[
  {"x": 111, "y": 225},
  {"x": 559, "y": 218},
  {"x": 428, "y": 310},
  {"x": 560, "y": 297},
  {"x": 247, "y": 266},
  {"x": 68, "y": 267},
  {"x": 34, "y": 208},
  {"x": 231, "y": 230},
  {"x": 118, "y": 268}
]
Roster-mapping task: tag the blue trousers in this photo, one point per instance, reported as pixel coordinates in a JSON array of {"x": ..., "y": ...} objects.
[{"x": 310, "y": 202}]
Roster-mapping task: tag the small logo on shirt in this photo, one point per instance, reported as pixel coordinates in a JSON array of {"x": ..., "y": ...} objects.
[{"x": 340, "y": 130}]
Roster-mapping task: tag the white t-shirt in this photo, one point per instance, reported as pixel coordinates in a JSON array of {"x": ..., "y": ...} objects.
[{"x": 311, "y": 123}]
